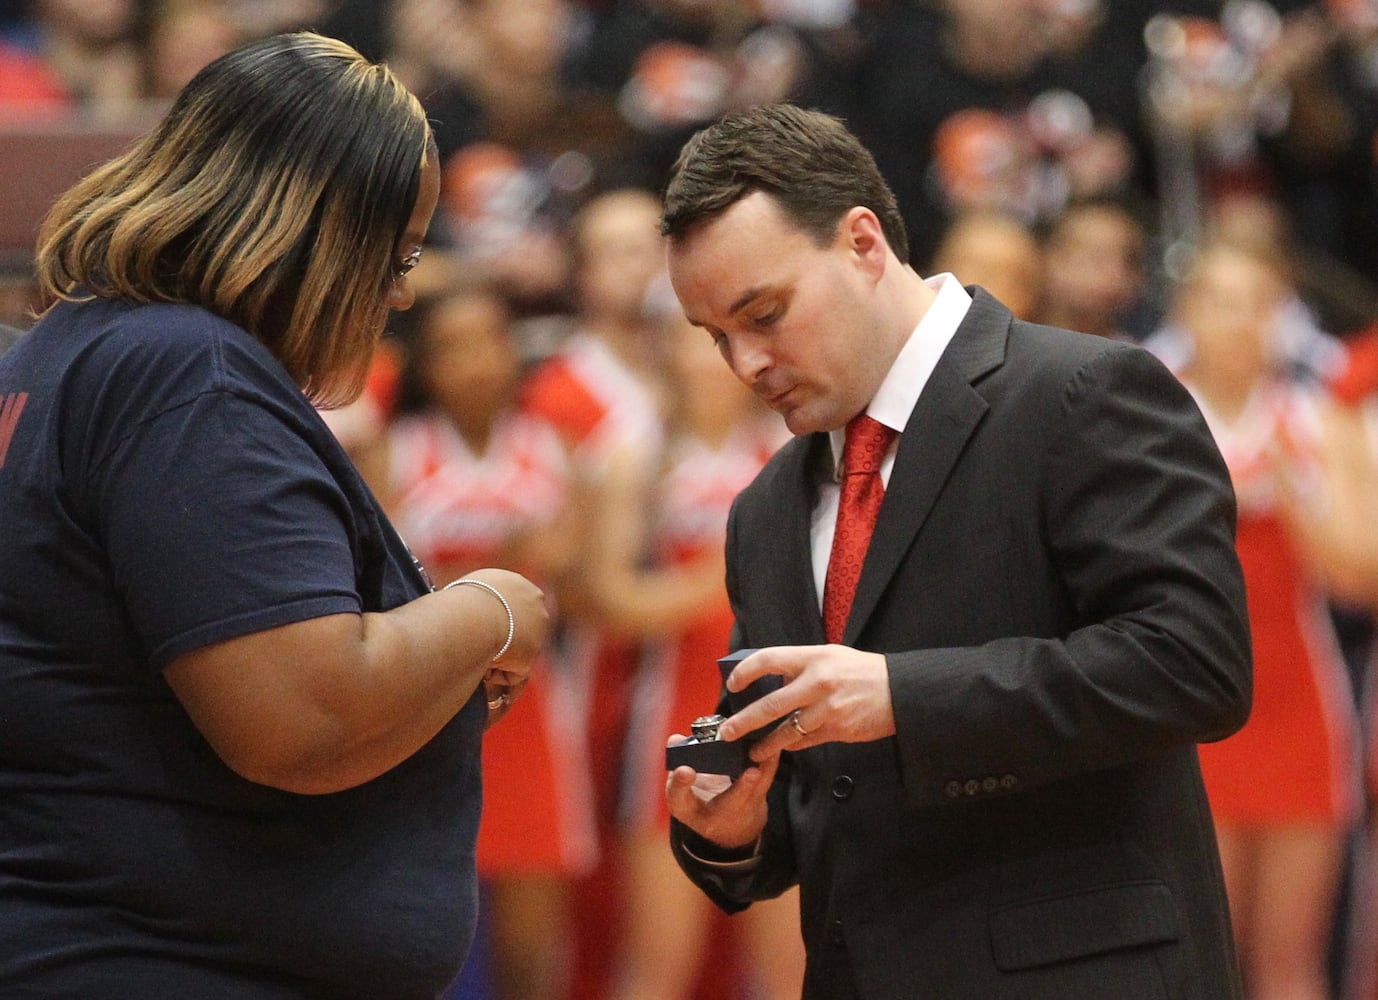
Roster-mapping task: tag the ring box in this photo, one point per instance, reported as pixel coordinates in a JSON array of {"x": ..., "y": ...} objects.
[{"x": 704, "y": 751}]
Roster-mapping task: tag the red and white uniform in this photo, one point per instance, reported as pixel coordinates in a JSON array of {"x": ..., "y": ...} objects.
[
  {"x": 1369, "y": 408},
  {"x": 601, "y": 407},
  {"x": 678, "y": 678},
  {"x": 1295, "y": 759},
  {"x": 594, "y": 400},
  {"x": 1361, "y": 974},
  {"x": 456, "y": 510}
]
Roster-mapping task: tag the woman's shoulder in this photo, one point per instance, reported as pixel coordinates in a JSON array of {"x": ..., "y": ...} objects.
[
  {"x": 107, "y": 331},
  {"x": 160, "y": 350},
  {"x": 152, "y": 327}
]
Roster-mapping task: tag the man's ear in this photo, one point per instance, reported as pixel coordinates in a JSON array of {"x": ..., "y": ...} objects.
[{"x": 863, "y": 236}]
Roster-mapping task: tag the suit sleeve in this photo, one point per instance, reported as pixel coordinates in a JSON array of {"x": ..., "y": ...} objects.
[
  {"x": 774, "y": 871},
  {"x": 1137, "y": 517}
]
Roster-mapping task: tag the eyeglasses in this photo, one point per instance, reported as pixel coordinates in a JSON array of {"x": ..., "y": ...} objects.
[{"x": 406, "y": 264}]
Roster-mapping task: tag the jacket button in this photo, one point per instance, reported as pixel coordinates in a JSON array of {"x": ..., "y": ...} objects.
[
  {"x": 842, "y": 787},
  {"x": 1008, "y": 782},
  {"x": 953, "y": 789},
  {"x": 989, "y": 785},
  {"x": 972, "y": 786}
]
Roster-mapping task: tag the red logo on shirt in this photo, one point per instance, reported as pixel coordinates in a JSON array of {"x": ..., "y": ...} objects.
[{"x": 10, "y": 408}]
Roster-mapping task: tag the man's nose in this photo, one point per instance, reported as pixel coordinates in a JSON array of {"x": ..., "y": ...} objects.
[{"x": 749, "y": 359}]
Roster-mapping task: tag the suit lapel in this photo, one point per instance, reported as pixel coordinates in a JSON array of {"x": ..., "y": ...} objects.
[
  {"x": 791, "y": 569},
  {"x": 947, "y": 413}
]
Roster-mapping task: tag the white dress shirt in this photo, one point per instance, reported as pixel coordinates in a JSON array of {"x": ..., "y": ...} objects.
[{"x": 892, "y": 404}]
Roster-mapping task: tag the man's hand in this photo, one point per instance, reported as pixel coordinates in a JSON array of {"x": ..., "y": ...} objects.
[
  {"x": 729, "y": 813},
  {"x": 835, "y": 693}
]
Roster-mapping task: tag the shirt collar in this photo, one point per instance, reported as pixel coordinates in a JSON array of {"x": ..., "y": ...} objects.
[{"x": 899, "y": 391}]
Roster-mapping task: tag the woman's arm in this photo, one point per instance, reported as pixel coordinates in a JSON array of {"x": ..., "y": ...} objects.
[
  {"x": 329, "y": 703},
  {"x": 625, "y": 592},
  {"x": 1333, "y": 518}
]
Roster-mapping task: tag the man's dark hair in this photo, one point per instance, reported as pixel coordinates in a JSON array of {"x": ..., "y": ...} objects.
[{"x": 807, "y": 160}]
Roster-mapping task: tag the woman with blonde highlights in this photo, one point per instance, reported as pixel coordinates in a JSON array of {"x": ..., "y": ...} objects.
[{"x": 239, "y": 743}]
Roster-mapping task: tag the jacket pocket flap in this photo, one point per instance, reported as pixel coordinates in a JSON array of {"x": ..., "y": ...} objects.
[{"x": 1081, "y": 924}]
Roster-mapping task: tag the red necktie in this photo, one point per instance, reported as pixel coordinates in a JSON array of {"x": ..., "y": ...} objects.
[{"x": 857, "y": 506}]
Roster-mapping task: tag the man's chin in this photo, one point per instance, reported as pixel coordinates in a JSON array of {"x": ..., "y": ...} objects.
[
  {"x": 801, "y": 418},
  {"x": 799, "y": 421}
]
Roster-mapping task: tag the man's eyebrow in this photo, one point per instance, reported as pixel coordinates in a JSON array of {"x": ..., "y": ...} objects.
[{"x": 744, "y": 299}]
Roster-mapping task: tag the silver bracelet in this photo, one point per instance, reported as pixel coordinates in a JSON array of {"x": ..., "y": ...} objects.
[{"x": 511, "y": 618}]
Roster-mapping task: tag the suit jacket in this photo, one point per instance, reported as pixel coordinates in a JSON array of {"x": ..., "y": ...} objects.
[{"x": 1054, "y": 583}]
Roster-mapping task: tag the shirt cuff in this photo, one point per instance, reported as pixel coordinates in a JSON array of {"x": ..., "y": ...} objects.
[{"x": 728, "y": 861}]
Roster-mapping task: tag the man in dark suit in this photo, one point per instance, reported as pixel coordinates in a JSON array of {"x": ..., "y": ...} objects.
[{"x": 991, "y": 788}]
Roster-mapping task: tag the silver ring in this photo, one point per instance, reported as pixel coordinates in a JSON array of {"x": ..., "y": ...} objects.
[{"x": 794, "y": 721}]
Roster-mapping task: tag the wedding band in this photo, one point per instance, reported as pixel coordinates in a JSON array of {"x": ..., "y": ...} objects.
[{"x": 794, "y": 721}]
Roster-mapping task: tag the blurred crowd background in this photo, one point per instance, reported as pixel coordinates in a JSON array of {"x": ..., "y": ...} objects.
[{"x": 1196, "y": 176}]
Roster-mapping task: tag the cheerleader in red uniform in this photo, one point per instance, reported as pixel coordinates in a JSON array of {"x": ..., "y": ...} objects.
[
  {"x": 476, "y": 482},
  {"x": 1346, "y": 537},
  {"x": 659, "y": 573},
  {"x": 1283, "y": 790},
  {"x": 601, "y": 390}
]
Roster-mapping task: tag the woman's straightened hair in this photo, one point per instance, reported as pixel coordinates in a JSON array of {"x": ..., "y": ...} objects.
[
  {"x": 806, "y": 160},
  {"x": 274, "y": 193}
]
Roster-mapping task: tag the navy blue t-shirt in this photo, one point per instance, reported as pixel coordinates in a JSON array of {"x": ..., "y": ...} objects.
[{"x": 165, "y": 485}]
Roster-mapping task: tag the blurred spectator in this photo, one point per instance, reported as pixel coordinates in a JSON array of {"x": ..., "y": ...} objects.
[
  {"x": 1208, "y": 88},
  {"x": 521, "y": 152},
  {"x": 1282, "y": 789},
  {"x": 1357, "y": 382},
  {"x": 1324, "y": 158},
  {"x": 1261, "y": 224},
  {"x": 658, "y": 572},
  {"x": 92, "y": 49},
  {"x": 257, "y": 18},
  {"x": 1258, "y": 226},
  {"x": 986, "y": 161},
  {"x": 361, "y": 427},
  {"x": 487, "y": 60},
  {"x": 361, "y": 23},
  {"x": 28, "y": 86},
  {"x": 1348, "y": 467},
  {"x": 515, "y": 69},
  {"x": 1015, "y": 104},
  {"x": 601, "y": 389},
  {"x": 473, "y": 481},
  {"x": 506, "y": 218},
  {"x": 1095, "y": 279},
  {"x": 1268, "y": 97},
  {"x": 490, "y": 71},
  {"x": 669, "y": 67},
  {"x": 997, "y": 251},
  {"x": 181, "y": 37}
]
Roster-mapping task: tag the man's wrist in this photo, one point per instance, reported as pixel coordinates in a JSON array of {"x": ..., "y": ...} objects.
[{"x": 729, "y": 859}]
